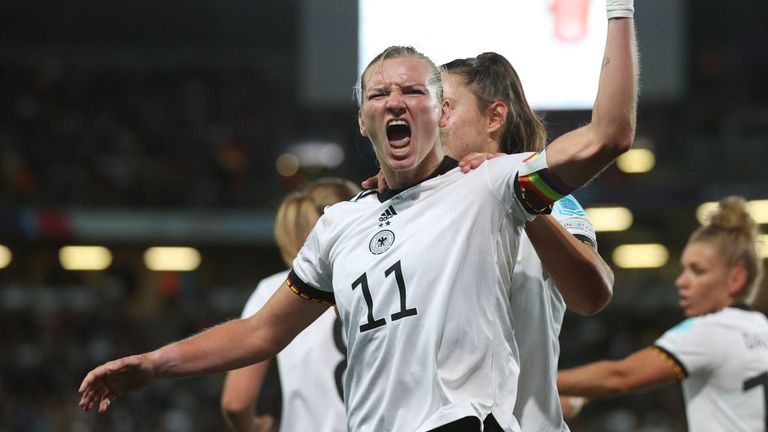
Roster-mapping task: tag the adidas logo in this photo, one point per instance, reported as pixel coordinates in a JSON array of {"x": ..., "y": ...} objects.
[{"x": 388, "y": 214}]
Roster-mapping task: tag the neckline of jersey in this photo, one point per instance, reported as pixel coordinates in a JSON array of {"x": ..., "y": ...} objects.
[{"x": 446, "y": 165}]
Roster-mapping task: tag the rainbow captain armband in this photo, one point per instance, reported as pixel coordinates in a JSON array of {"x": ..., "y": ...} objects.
[{"x": 536, "y": 186}]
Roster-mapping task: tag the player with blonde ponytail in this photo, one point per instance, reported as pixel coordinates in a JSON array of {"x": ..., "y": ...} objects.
[{"x": 720, "y": 353}]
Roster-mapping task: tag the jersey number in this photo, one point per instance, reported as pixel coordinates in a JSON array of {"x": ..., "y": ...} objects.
[
  {"x": 338, "y": 373},
  {"x": 404, "y": 311},
  {"x": 755, "y": 381}
]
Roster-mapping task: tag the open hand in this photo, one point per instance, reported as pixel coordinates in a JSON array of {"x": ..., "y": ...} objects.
[{"x": 113, "y": 379}]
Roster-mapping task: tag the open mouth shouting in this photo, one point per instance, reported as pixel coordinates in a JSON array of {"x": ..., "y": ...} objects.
[{"x": 398, "y": 136}]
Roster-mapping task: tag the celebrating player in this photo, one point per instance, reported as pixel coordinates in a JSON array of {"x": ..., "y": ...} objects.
[
  {"x": 416, "y": 272},
  {"x": 490, "y": 114},
  {"x": 720, "y": 353},
  {"x": 321, "y": 342}
]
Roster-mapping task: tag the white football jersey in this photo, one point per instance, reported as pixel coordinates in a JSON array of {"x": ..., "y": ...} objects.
[
  {"x": 421, "y": 278},
  {"x": 311, "y": 368},
  {"x": 722, "y": 358},
  {"x": 538, "y": 315}
]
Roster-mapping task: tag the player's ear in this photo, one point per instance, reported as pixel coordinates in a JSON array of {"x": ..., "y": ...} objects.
[
  {"x": 361, "y": 124},
  {"x": 445, "y": 113},
  {"x": 737, "y": 278},
  {"x": 497, "y": 115}
]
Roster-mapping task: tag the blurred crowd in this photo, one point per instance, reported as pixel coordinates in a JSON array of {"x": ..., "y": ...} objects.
[{"x": 102, "y": 134}]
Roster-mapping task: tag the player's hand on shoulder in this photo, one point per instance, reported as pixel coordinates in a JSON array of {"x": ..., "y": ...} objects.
[
  {"x": 107, "y": 382},
  {"x": 378, "y": 182},
  {"x": 474, "y": 160}
]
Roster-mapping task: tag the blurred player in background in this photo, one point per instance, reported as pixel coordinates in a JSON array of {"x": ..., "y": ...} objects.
[
  {"x": 720, "y": 353},
  {"x": 312, "y": 396}
]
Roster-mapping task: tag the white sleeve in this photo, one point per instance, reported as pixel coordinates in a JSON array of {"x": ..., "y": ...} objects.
[
  {"x": 574, "y": 219},
  {"x": 311, "y": 276},
  {"x": 690, "y": 345},
  {"x": 500, "y": 175}
]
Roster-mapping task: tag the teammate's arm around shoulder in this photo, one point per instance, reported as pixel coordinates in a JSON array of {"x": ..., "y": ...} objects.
[{"x": 576, "y": 157}]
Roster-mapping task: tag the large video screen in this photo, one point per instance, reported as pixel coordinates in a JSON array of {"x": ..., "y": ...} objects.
[{"x": 555, "y": 45}]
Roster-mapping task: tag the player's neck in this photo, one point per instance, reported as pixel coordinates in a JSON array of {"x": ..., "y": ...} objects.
[{"x": 406, "y": 178}]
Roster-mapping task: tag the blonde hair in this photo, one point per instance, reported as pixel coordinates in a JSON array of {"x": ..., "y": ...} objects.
[
  {"x": 299, "y": 212},
  {"x": 735, "y": 232}
]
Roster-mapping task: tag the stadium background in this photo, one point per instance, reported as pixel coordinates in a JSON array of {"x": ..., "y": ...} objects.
[{"x": 131, "y": 125}]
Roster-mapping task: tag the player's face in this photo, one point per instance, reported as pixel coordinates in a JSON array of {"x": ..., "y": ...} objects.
[
  {"x": 402, "y": 116},
  {"x": 702, "y": 285},
  {"x": 467, "y": 128}
]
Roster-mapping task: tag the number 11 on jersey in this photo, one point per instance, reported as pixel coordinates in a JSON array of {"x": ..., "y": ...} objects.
[{"x": 404, "y": 311}]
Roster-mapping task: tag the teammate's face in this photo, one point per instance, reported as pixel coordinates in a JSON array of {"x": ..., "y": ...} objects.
[
  {"x": 703, "y": 283},
  {"x": 402, "y": 116},
  {"x": 467, "y": 129}
]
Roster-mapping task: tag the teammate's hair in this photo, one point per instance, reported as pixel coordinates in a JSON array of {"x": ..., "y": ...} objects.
[
  {"x": 491, "y": 78},
  {"x": 734, "y": 232},
  {"x": 395, "y": 52},
  {"x": 299, "y": 212},
  {"x": 330, "y": 190}
]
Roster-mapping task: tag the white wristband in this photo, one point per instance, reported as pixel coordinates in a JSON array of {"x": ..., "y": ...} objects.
[{"x": 620, "y": 8}]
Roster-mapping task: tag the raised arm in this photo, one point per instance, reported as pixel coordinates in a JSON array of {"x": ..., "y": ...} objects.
[
  {"x": 581, "y": 275},
  {"x": 227, "y": 346},
  {"x": 643, "y": 370},
  {"x": 578, "y": 156}
]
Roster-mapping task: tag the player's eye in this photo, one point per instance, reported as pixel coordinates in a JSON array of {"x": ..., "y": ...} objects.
[
  {"x": 698, "y": 271},
  {"x": 414, "y": 91},
  {"x": 375, "y": 95}
]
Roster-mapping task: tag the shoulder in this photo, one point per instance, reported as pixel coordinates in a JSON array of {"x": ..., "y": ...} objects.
[
  {"x": 351, "y": 208},
  {"x": 513, "y": 160},
  {"x": 712, "y": 322},
  {"x": 503, "y": 167}
]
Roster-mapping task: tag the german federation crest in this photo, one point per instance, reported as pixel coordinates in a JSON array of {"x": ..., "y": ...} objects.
[{"x": 381, "y": 242}]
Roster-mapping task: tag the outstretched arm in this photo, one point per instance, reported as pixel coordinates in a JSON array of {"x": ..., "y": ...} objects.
[
  {"x": 227, "y": 346},
  {"x": 581, "y": 275},
  {"x": 578, "y": 156},
  {"x": 643, "y": 370}
]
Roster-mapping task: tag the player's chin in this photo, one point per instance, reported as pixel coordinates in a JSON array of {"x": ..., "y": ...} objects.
[{"x": 401, "y": 161}]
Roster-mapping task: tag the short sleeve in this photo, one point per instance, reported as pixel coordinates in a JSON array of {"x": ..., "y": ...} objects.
[
  {"x": 311, "y": 275},
  {"x": 573, "y": 219},
  {"x": 690, "y": 345},
  {"x": 500, "y": 174}
]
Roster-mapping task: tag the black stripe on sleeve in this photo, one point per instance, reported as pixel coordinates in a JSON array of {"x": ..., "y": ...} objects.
[
  {"x": 308, "y": 292},
  {"x": 677, "y": 365}
]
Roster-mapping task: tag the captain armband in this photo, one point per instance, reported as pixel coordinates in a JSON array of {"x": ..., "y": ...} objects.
[{"x": 536, "y": 187}]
